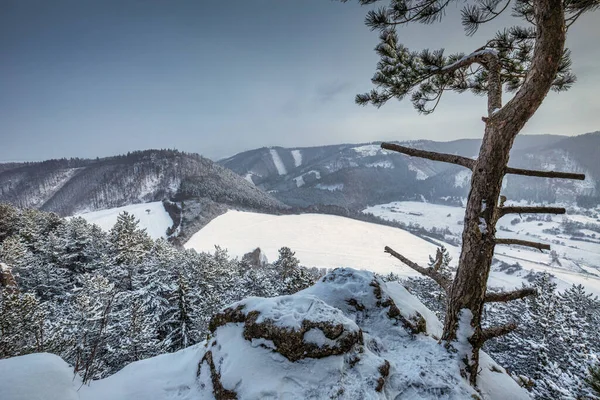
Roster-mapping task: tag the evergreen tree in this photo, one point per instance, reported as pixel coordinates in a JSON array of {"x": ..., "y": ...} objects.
[
  {"x": 21, "y": 323},
  {"x": 594, "y": 379},
  {"x": 131, "y": 245},
  {"x": 180, "y": 328}
]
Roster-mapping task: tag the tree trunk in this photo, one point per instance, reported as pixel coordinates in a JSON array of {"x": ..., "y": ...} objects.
[{"x": 469, "y": 287}]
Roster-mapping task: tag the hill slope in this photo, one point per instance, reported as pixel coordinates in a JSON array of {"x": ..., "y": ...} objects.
[
  {"x": 74, "y": 186},
  {"x": 355, "y": 175}
]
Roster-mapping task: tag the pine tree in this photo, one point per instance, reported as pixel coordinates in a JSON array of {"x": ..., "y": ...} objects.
[
  {"x": 131, "y": 245},
  {"x": 21, "y": 323},
  {"x": 9, "y": 221},
  {"x": 594, "y": 379},
  {"x": 529, "y": 60},
  {"x": 180, "y": 328}
]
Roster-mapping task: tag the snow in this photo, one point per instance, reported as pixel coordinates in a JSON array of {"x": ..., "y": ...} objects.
[
  {"x": 156, "y": 222},
  {"x": 462, "y": 178},
  {"x": 381, "y": 164},
  {"x": 421, "y": 176},
  {"x": 278, "y": 162},
  {"x": 473, "y": 55},
  {"x": 419, "y": 366},
  {"x": 576, "y": 257},
  {"x": 149, "y": 185},
  {"x": 248, "y": 177},
  {"x": 299, "y": 181},
  {"x": 368, "y": 150},
  {"x": 289, "y": 311},
  {"x": 297, "y": 157},
  {"x": 316, "y": 336},
  {"x": 165, "y": 377},
  {"x": 316, "y": 173},
  {"x": 37, "y": 376},
  {"x": 425, "y": 214},
  {"x": 331, "y": 187},
  {"x": 318, "y": 240}
]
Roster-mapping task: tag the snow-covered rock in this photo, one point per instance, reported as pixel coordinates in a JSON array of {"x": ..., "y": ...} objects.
[{"x": 350, "y": 336}]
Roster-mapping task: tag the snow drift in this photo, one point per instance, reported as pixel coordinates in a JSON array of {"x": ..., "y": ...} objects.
[{"x": 350, "y": 336}]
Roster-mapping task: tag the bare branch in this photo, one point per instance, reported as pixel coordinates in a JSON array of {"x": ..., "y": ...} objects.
[
  {"x": 490, "y": 333},
  {"x": 430, "y": 155},
  {"x": 526, "y": 243},
  {"x": 430, "y": 272},
  {"x": 545, "y": 174},
  {"x": 532, "y": 210},
  {"x": 503, "y": 297}
]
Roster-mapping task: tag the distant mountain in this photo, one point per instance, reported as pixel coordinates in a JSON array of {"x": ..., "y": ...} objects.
[
  {"x": 71, "y": 186},
  {"x": 355, "y": 175}
]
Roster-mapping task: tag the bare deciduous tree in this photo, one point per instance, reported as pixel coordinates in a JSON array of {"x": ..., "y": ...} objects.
[{"x": 527, "y": 60}]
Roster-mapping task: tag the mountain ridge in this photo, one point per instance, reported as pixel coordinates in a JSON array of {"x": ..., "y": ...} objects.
[
  {"x": 356, "y": 175},
  {"x": 71, "y": 186}
]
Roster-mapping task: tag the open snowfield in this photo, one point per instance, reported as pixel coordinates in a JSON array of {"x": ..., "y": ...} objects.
[
  {"x": 155, "y": 221},
  {"x": 318, "y": 240},
  {"x": 331, "y": 241}
]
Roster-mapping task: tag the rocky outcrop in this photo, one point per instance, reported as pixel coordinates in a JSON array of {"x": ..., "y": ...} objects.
[
  {"x": 7, "y": 279},
  {"x": 350, "y": 336},
  {"x": 305, "y": 335},
  {"x": 255, "y": 259}
]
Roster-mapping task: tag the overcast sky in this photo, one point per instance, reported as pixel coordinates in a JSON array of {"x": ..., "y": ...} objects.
[{"x": 100, "y": 77}]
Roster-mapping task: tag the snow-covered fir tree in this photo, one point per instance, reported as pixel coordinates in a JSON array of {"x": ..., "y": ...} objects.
[{"x": 101, "y": 301}]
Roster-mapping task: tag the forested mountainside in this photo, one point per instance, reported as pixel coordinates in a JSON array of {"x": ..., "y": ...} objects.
[
  {"x": 70, "y": 186},
  {"x": 355, "y": 175}
]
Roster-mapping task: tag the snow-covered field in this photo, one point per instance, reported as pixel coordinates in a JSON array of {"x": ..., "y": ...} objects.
[
  {"x": 318, "y": 240},
  {"x": 331, "y": 241},
  {"x": 152, "y": 216}
]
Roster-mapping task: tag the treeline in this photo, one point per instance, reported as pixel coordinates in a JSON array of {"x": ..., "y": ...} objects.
[{"x": 102, "y": 300}]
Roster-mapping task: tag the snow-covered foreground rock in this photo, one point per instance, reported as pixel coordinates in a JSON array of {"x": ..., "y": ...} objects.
[
  {"x": 350, "y": 336},
  {"x": 152, "y": 216}
]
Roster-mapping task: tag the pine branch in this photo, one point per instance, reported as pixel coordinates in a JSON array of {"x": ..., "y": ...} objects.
[
  {"x": 526, "y": 243},
  {"x": 430, "y": 155},
  {"x": 429, "y": 272},
  {"x": 503, "y": 297},
  {"x": 545, "y": 174},
  {"x": 531, "y": 210},
  {"x": 490, "y": 333}
]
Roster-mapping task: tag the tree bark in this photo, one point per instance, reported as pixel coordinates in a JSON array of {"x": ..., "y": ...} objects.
[{"x": 502, "y": 126}]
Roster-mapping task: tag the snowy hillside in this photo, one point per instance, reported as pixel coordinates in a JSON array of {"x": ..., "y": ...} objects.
[
  {"x": 350, "y": 336},
  {"x": 363, "y": 173},
  {"x": 152, "y": 216},
  {"x": 74, "y": 186},
  {"x": 331, "y": 241}
]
